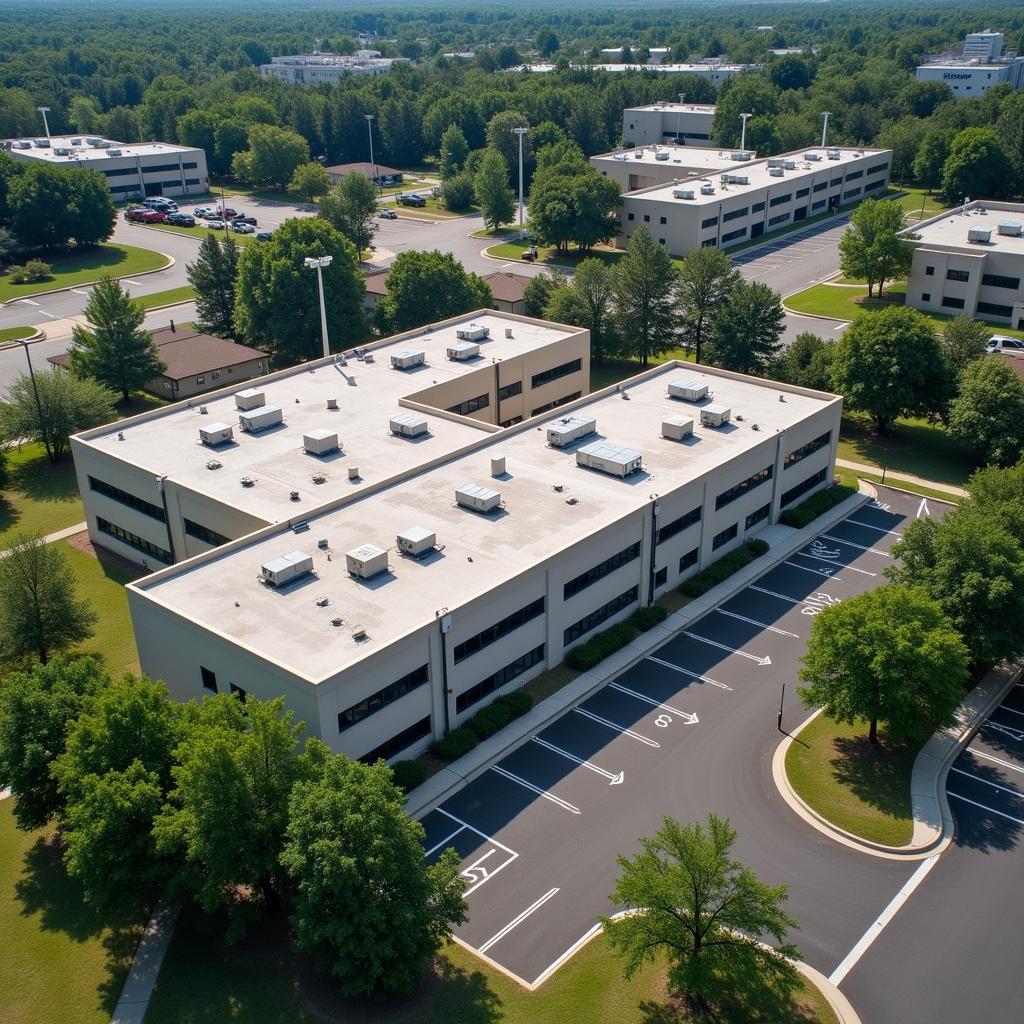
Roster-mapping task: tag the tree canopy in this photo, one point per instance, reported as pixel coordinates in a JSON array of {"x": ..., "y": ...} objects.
[
  {"x": 747, "y": 328},
  {"x": 988, "y": 413},
  {"x": 495, "y": 199},
  {"x": 351, "y": 208},
  {"x": 871, "y": 248},
  {"x": 645, "y": 305},
  {"x": 214, "y": 277},
  {"x": 707, "y": 280},
  {"x": 273, "y": 156}
]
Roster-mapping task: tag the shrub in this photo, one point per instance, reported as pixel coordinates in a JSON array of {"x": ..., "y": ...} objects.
[
  {"x": 721, "y": 570},
  {"x": 598, "y": 647},
  {"x": 817, "y": 504},
  {"x": 457, "y": 192},
  {"x": 518, "y": 702},
  {"x": 408, "y": 775},
  {"x": 489, "y": 720},
  {"x": 458, "y": 742},
  {"x": 646, "y": 618},
  {"x": 32, "y": 272}
]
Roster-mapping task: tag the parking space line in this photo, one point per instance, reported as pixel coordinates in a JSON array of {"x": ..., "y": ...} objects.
[
  {"x": 499, "y": 935},
  {"x": 691, "y": 718},
  {"x": 617, "y": 727},
  {"x": 614, "y": 780},
  {"x": 482, "y": 835},
  {"x": 564, "y": 804},
  {"x": 827, "y": 573},
  {"x": 871, "y": 526},
  {"x": 852, "y": 568},
  {"x": 1017, "y": 735},
  {"x": 1004, "y": 707},
  {"x": 766, "y": 660},
  {"x": 984, "y": 807},
  {"x": 687, "y": 672},
  {"x": 997, "y": 760},
  {"x": 862, "y": 547},
  {"x": 445, "y": 841},
  {"x": 986, "y": 782},
  {"x": 754, "y": 622},
  {"x": 562, "y": 957}
]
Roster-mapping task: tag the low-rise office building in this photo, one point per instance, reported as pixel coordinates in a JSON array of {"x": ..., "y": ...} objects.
[
  {"x": 647, "y": 166},
  {"x": 328, "y": 68},
  {"x": 982, "y": 65},
  {"x": 711, "y": 72},
  {"x": 970, "y": 261},
  {"x": 753, "y": 199},
  {"x": 379, "y": 174},
  {"x": 132, "y": 169},
  {"x": 685, "y": 124}
]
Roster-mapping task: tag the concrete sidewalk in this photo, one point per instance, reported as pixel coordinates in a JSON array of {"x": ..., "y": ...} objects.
[
  {"x": 863, "y": 467},
  {"x": 149, "y": 956},
  {"x": 68, "y": 531}
]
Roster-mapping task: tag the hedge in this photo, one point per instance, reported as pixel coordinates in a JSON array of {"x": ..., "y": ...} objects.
[
  {"x": 408, "y": 775},
  {"x": 599, "y": 646},
  {"x": 721, "y": 570},
  {"x": 483, "y": 724},
  {"x": 809, "y": 510}
]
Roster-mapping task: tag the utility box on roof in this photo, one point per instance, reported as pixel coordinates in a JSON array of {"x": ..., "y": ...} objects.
[
  {"x": 609, "y": 458},
  {"x": 416, "y": 541},
  {"x": 472, "y": 332},
  {"x": 408, "y": 358},
  {"x": 216, "y": 433},
  {"x": 261, "y": 419},
  {"x": 320, "y": 442},
  {"x": 463, "y": 350},
  {"x": 408, "y": 425},
  {"x": 250, "y": 398},
  {"x": 677, "y": 428},
  {"x": 687, "y": 390},
  {"x": 477, "y": 498},
  {"x": 979, "y": 234},
  {"x": 366, "y": 561},
  {"x": 715, "y": 415},
  {"x": 279, "y": 571},
  {"x": 570, "y": 429}
]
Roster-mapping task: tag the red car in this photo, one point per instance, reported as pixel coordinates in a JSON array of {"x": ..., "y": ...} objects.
[
  {"x": 152, "y": 217},
  {"x": 135, "y": 214}
]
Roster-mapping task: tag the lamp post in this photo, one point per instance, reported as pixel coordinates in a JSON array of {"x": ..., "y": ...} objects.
[
  {"x": 824, "y": 128},
  {"x": 46, "y": 124},
  {"x": 521, "y": 132},
  {"x": 35, "y": 391},
  {"x": 369, "y": 129},
  {"x": 317, "y": 263},
  {"x": 743, "y": 131}
]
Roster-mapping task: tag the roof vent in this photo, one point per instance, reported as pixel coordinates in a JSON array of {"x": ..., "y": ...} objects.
[
  {"x": 508, "y": 332},
  {"x": 498, "y": 466},
  {"x": 319, "y": 478},
  {"x": 250, "y": 398},
  {"x": 214, "y": 464},
  {"x": 320, "y": 442},
  {"x": 279, "y": 571},
  {"x": 477, "y": 498},
  {"x": 332, "y": 403},
  {"x": 609, "y": 458},
  {"x": 408, "y": 358},
  {"x": 214, "y": 434},
  {"x": 677, "y": 428},
  {"x": 366, "y": 561},
  {"x": 353, "y": 472},
  {"x": 248, "y": 481},
  {"x": 368, "y": 358},
  {"x": 776, "y": 172},
  {"x": 979, "y": 235},
  {"x": 687, "y": 390},
  {"x": 463, "y": 350},
  {"x": 203, "y": 410},
  {"x": 707, "y": 189},
  {"x": 715, "y": 415},
  {"x": 416, "y": 541},
  {"x": 473, "y": 332},
  {"x": 294, "y": 495},
  {"x": 408, "y": 425},
  {"x": 262, "y": 419},
  {"x": 571, "y": 429}
]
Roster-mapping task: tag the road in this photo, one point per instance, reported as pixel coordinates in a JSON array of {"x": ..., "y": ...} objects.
[{"x": 688, "y": 730}]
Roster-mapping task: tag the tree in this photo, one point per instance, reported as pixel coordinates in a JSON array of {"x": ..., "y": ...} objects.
[
  {"x": 114, "y": 349},
  {"x": 931, "y": 156},
  {"x": 502, "y": 138},
  {"x": 351, "y": 208},
  {"x": 310, "y": 180},
  {"x": 277, "y": 305},
  {"x": 39, "y": 612},
  {"x": 69, "y": 404},
  {"x": 457, "y": 192},
  {"x": 83, "y": 115},
  {"x": 272, "y": 157},
  {"x": 870, "y": 247},
  {"x": 904, "y": 138},
  {"x": 37, "y": 708},
  {"x": 426, "y": 287},
  {"x": 454, "y": 150},
  {"x": 890, "y": 656},
  {"x": 546, "y": 41},
  {"x": 988, "y": 413},
  {"x": 495, "y": 199},
  {"x": 537, "y": 295},
  {"x": 706, "y": 912},
  {"x": 806, "y": 362},
  {"x": 977, "y": 165},
  {"x": 747, "y": 328},
  {"x": 791, "y": 71},
  {"x": 587, "y": 301},
  {"x": 888, "y": 364},
  {"x": 707, "y": 279},
  {"x": 214, "y": 277},
  {"x": 368, "y": 908},
  {"x": 570, "y": 201},
  {"x": 53, "y": 206},
  {"x": 963, "y": 342},
  {"x": 645, "y": 304}
]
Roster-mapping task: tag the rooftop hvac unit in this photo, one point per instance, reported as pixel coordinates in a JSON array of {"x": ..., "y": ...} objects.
[
  {"x": 609, "y": 458},
  {"x": 677, "y": 428},
  {"x": 477, "y": 498},
  {"x": 638, "y": 155},
  {"x": 661, "y": 154},
  {"x": 472, "y": 332},
  {"x": 214, "y": 434},
  {"x": 62, "y": 151},
  {"x": 320, "y": 442},
  {"x": 979, "y": 234},
  {"x": 1009, "y": 227},
  {"x": 570, "y": 429},
  {"x": 416, "y": 541},
  {"x": 707, "y": 190},
  {"x": 715, "y": 415},
  {"x": 742, "y": 154},
  {"x": 408, "y": 358},
  {"x": 279, "y": 571},
  {"x": 736, "y": 179},
  {"x": 408, "y": 425},
  {"x": 833, "y": 154},
  {"x": 775, "y": 161},
  {"x": 113, "y": 152},
  {"x": 250, "y": 398},
  {"x": 261, "y": 419},
  {"x": 776, "y": 172},
  {"x": 812, "y": 156},
  {"x": 463, "y": 350},
  {"x": 682, "y": 193},
  {"x": 789, "y": 165},
  {"x": 366, "y": 561},
  {"x": 687, "y": 390}
]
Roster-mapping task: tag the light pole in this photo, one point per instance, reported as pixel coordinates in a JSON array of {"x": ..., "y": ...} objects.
[
  {"x": 521, "y": 132},
  {"x": 369, "y": 129},
  {"x": 46, "y": 124},
  {"x": 35, "y": 391},
  {"x": 824, "y": 127},
  {"x": 679, "y": 117},
  {"x": 317, "y": 263},
  {"x": 743, "y": 131}
]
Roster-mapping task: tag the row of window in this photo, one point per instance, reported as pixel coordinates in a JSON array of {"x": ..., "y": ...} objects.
[
  {"x": 803, "y": 487},
  {"x": 678, "y": 525},
  {"x": 709, "y": 223},
  {"x": 382, "y": 698},
  {"x": 733, "y": 214},
  {"x": 556, "y": 403},
  {"x": 599, "y": 615},
  {"x": 876, "y": 168},
  {"x": 503, "y": 627},
  {"x": 757, "y": 516},
  {"x": 728, "y": 534},
  {"x": 798, "y": 454},
  {"x": 851, "y": 194},
  {"x": 995, "y": 309},
  {"x": 854, "y": 175},
  {"x": 875, "y": 184},
  {"x": 689, "y": 560},
  {"x": 599, "y": 571},
  {"x": 147, "y": 508},
  {"x": 778, "y": 220},
  {"x": 999, "y": 281},
  {"x": 133, "y": 540},
  {"x": 209, "y": 678},
  {"x": 779, "y": 200},
  {"x": 958, "y": 275},
  {"x": 510, "y": 390},
  {"x": 499, "y": 679},
  {"x": 471, "y": 405},
  {"x": 801, "y": 192},
  {"x": 738, "y": 490},
  {"x": 730, "y": 235},
  {"x": 547, "y": 376},
  {"x": 398, "y": 743},
  {"x": 204, "y": 533}
]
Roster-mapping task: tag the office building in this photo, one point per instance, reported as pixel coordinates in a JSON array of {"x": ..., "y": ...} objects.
[
  {"x": 981, "y": 65},
  {"x": 647, "y": 166},
  {"x": 328, "y": 68},
  {"x": 684, "y": 124}
]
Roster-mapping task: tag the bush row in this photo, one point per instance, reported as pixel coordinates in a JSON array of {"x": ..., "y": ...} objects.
[
  {"x": 483, "y": 724},
  {"x": 31, "y": 273},
  {"x": 599, "y": 646},
  {"x": 809, "y": 510},
  {"x": 723, "y": 568}
]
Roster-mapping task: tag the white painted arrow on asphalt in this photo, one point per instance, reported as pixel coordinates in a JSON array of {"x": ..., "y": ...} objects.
[
  {"x": 732, "y": 650},
  {"x": 689, "y": 718},
  {"x": 613, "y": 780},
  {"x": 923, "y": 509}
]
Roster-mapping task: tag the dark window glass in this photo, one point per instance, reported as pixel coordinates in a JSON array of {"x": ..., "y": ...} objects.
[
  {"x": 929, "y": 271},
  {"x": 678, "y": 525},
  {"x": 116, "y": 494},
  {"x": 836, "y": 181},
  {"x": 238, "y": 692},
  {"x": 818, "y": 205},
  {"x": 738, "y": 490},
  {"x": 958, "y": 275},
  {"x": 952, "y": 303},
  {"x": 725, "y": 536},
  {"x": 661, "y": 577},
  {"x": 871, "y": 186},
  {"x": 499, "y": 679},
  {"x": 756, "y": 517},
  {"x": 778, "y": 220},
  {"x": 854, "y": 175},
  {"x": 926, "y": 296},
  {"x": 779, "y": 200},
  {"x": 709, "y": 223},
  {"x": 209, "y": 678},
  {"x": 556, "y": 403},
  {"x": 205, "y": 533},
  {"x": 471, "y": 405},
  {"x": 995, "y": 309},
  {"x": 757, "y": 208},
  {"x": 738, "y": 233},
  {"x": 733, "y": 214},
  {"x": 547, "y": 376},
  {"x": 503, "y": 627},
  {"x": 803, "y": 487},
  {"x": 398, "y": 742},
  {"x": 133, "y": 540},
  {"x": 599, "y": 615},
  {"x": 382, "y": 698},
  {"x": 877, "y": 167},
  {"x": 821, "y": 186},
  {"x": 851, "y": 193},
  {"x": 599, "y": 571},
  {"x": 663, "y": 220},
  {"x": 801, "y": 192},
  {"x": 810, "y": 448},
  {"x": 510, "y": 390},
  {"x": 689, "y": 560},
  {"x": 999, "y": 281}
]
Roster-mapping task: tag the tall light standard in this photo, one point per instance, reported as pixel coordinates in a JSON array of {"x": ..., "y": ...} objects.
[
  {"x": 35, "y": 390},
  {"x": 46, "y": 124},
  {"x": 824, "y": 127},
  {"x": 743, "y": 131},
  {"x": 369, "y": 129},
  {"x": 679, "y": 117},
  {"x": 317, "y": 263},
  {"x": 521, "y": 132}
]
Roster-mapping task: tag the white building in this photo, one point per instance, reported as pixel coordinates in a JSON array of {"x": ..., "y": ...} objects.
[
  {"x": 716, "y": 74},
  {"x": 328, "y": 68},
  {"x": 131, "y": 168},
  {"x": 753, "y": 198},
  {"x": 647, "y": 166},
  {"x": 970, "y": 261},
  {"x": 685, "y": 124},
  {"x": 982, "y": 65},
  {"x": 428, "y": 574}
]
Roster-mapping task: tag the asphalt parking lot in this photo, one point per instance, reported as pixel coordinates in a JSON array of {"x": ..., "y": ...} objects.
[
  {"x": 782, "y": 260},
  {"x": 690, "y": 729}
]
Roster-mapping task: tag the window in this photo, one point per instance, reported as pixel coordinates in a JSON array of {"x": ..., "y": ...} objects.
[
  {"x": 926, "y": 296},
  {"x": 733, "y": 214},
  {"x": 556, "y": 403},
  {"x": 398, "y": 742},
  {"x": 779, "y": 200},
  {"x": 995, "y": 309},
  {"x": 382, "y": 698},
  {"x": 630, "y": 216},
  {"x": 116, "y": 494},
  {"x": 661, "y": 577},
  {"x": 510, "y": 390},
  {"x": 875, "y": 184},
  {"x": 499, "y": 679},
  {"x": 678, "y": 525},
  {"x": 725, "y": 536},
  {"x": 709, "y": 223},
  {"x": 757, "y": 208},
  {"x": 471, "y": 405},
  {"x": 503, "y": 627},
  {"x": 853, "y": 192},
  {"x": 204, "y": 533},
  {"x": 117, "y": 172},
  {"x": 854, "y": 175},
  {"x": 159, "y": 168},
  {"x": 818, "y": 205},
  {"x": 738, "y": 490},
  {"x": 810, "y": 448},
  {"x": 599, "y": 571},
  {"x": 801, "y": 192},
  {"x": 200, "y": 380},
  {"x": 738, "y": 233},
  {"x": 835, "y": 181},
  {"x": 708, "y": 243},
  {"x": 663, "y": 220},
  {"x": 216, "y": 374},
  {"x": 877, "y": 167},
  {"x": 998, "y": 281},
  {"x": 952, "y": 303},
  {"x": 647, "y": 218},
  {"x": 802, "y": 488},
  {"x": 756, "y": 517},
  {"x": 958, "y": 275},
  {"x": 929, "y": 271},
  {"x": 778, "y": 219},
  {"x": 133, "y": 540},
  {"x": 599, "y": 615},
  {"x": 689, "y": 560},
  {"x": 209, "y": 679},
  {"x": 238, "y": 692},
  {"x": 547, "y": 376},
  {"x": 191, "y": 181},
  {"x": 512, "y": 422},
  {"x": 167, "y": 385},
  {"x": 189, "y": 165},
  {"x": 821, "y": 186}
]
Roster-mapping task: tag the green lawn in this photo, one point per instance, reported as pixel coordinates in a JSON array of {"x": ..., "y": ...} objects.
[
  {"x": 13, "y": 333},
  {"x": 61, "y": 961},
  {"x": 40, "y": 497},
  {"x": 549, "y": 257},
  {"x": 505, "y": 229},
  {"x": 166, "y": 298},
  {"x": 850, "y": 477},
  {"x": 611, "y": 371},
  {"x": 862, "y": 789},
  {"x": 205, "y": 982},
  {"x": 85, "y": 267},
  {"x": 915, "y": 202},
  {"x": 199, "y": 231}
]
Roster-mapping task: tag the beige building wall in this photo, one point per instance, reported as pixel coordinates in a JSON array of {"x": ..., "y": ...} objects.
[
  {"x": 648, "y": 126},
  {"x": 186, "y": 387},
  {"x": 936, "y": 284}
]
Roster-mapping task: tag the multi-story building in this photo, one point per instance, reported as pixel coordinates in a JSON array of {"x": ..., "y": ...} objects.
[
  {"x": 646, "y": 167},
  {"x": 685, "y": 124},
  {"x": 970, "y": 261},
  {"x": 328, "y": 68},
  {"x": 132, "y": 169},
  {"x": 982, "y": 65},
  {"x": 753, "y": 199},
  {"x": 711, "y": 72}
]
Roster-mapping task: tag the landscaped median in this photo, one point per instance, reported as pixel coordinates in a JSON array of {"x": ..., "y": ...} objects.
[{"x": 16, "y": 333}]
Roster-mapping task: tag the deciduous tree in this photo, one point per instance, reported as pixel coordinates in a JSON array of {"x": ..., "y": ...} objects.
[
  {"x": 963, "y": 341},
  {"x": 707, "y": 280},
  {"x": 310, "y": 180},
  {"x": 588, "y": 301},
  {"x": 977, "y": 166},
  {"x": 870, "y": 248},
  {"x": 747, "y": 328},
  {"x": 272, "y": 157},
  {"x": 454, "y": 150},
  {"x": 988, "y": 413},
  {"x": 495, "y": 199},
  {"x": 53, "y": 206},
  {"x": 351, "y": 208},
  {"x": 806, "y": 362}
]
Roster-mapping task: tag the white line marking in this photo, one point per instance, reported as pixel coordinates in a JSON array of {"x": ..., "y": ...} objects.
[
  {"x": 851, "y": 958},
  {"x": 732, "y": 650},
  {"x": 1016, "y": 735},
  {"x": 775, "y": 593},
  {"x": 985, "y": 782},
  {"x": 857, "y": 522},
  {"x": 690, "y": 718},
  {"x": 614, "y": 780},
  {"x": 444, "y": 842},
  {"x": 535, "y": 789},
  {"x": 997, "y": 760},
  {"x": 923, "y": 509},
  {"x": 29, "y": 302},
  {"x": 128, "y": 280},
  {"x": 817, "y": 572},
  {"x": 78, "y": 291},
  {"x": 984, "y": 807},
  {"x": 754, "y": 622},
  {"x": 852, "y": 568},
  {"x": 1013, "y": 711},
  {"x": 862, "y": 547},
  {"x": 498, "y": 936},
  {"x": 687, "y": 672},
  {"x": 482, "y": 835},
  {"x": 552, "y": 967},
  {"x": 617, "y": 727}
]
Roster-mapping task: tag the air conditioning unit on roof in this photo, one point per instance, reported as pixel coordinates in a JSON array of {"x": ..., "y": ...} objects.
[
  {"x": 570, "y": 429},
  {"x": 609, "y": 458},
  {"x": 715, "y": 415},
  {"x": 261, "y": 419},
  {"x": 460, "y": 351},
  {"x": 366, "y": 561},
  {"x": 214, "y": 434},
  {"x": 416, "y": 541},
  {"x": 472, "y": 332},
  {"x": 408, "y": 425},
  {"x": 688, "y": 391},
  {"x": 408, "y": 358},
  {"x": 250, "y": 398},
  {"x": 320, "y": 442},
  {"x": 979, "y": 235},
  {"x": 477, "y": 498},
  {"x": 279, "y": 571}
]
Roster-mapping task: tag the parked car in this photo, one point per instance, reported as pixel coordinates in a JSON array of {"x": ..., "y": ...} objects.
[
  {"x": 134, "y": 212},
  {"x": 203, "y": 211},
  {"x": 151, "y": 216},
  {"x": 240, "y": 227},
  {"x": 264, "y": 236},
  {"x": 412, "y": 200},
  {"x": 227, "y": 213},
  {"x": 386, "y": 213},
  {"x": 160, "y": 203},
  {"x": 216, "y": 222},
  {"x": 243, "y": 219},
  {"x": 182, "y": 220},
  {"x": 1004, "y": 343}
]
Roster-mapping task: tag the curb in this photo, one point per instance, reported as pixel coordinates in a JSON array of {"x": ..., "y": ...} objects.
[
  {"x": 484, "y": 254},
  {"x": 121, "y": 277},
  {"x": 934, "y": 826},
  {"x": 40, "y": 335},
  {"x": 934, "y": 485}
]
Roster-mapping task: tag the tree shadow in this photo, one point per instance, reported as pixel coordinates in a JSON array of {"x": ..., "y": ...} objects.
[
  {"x": 41, "y": 480},
  {"x": 976, "y": 828},
  {"x": 743, "y": 1004},
  {"x": 877, "y": 774}
]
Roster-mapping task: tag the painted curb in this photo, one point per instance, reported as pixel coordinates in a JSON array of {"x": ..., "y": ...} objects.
[{"x": 121, "y": 277}]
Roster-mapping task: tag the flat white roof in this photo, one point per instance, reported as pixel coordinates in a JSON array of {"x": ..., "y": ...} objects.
[
  {"x": 681, "y": 156},
  {"x": 949, "y": 230},
  {"x": 677, "y": 108},
  {"x": 80, "y": 150},
  {"x": 481, "y": 551}
]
